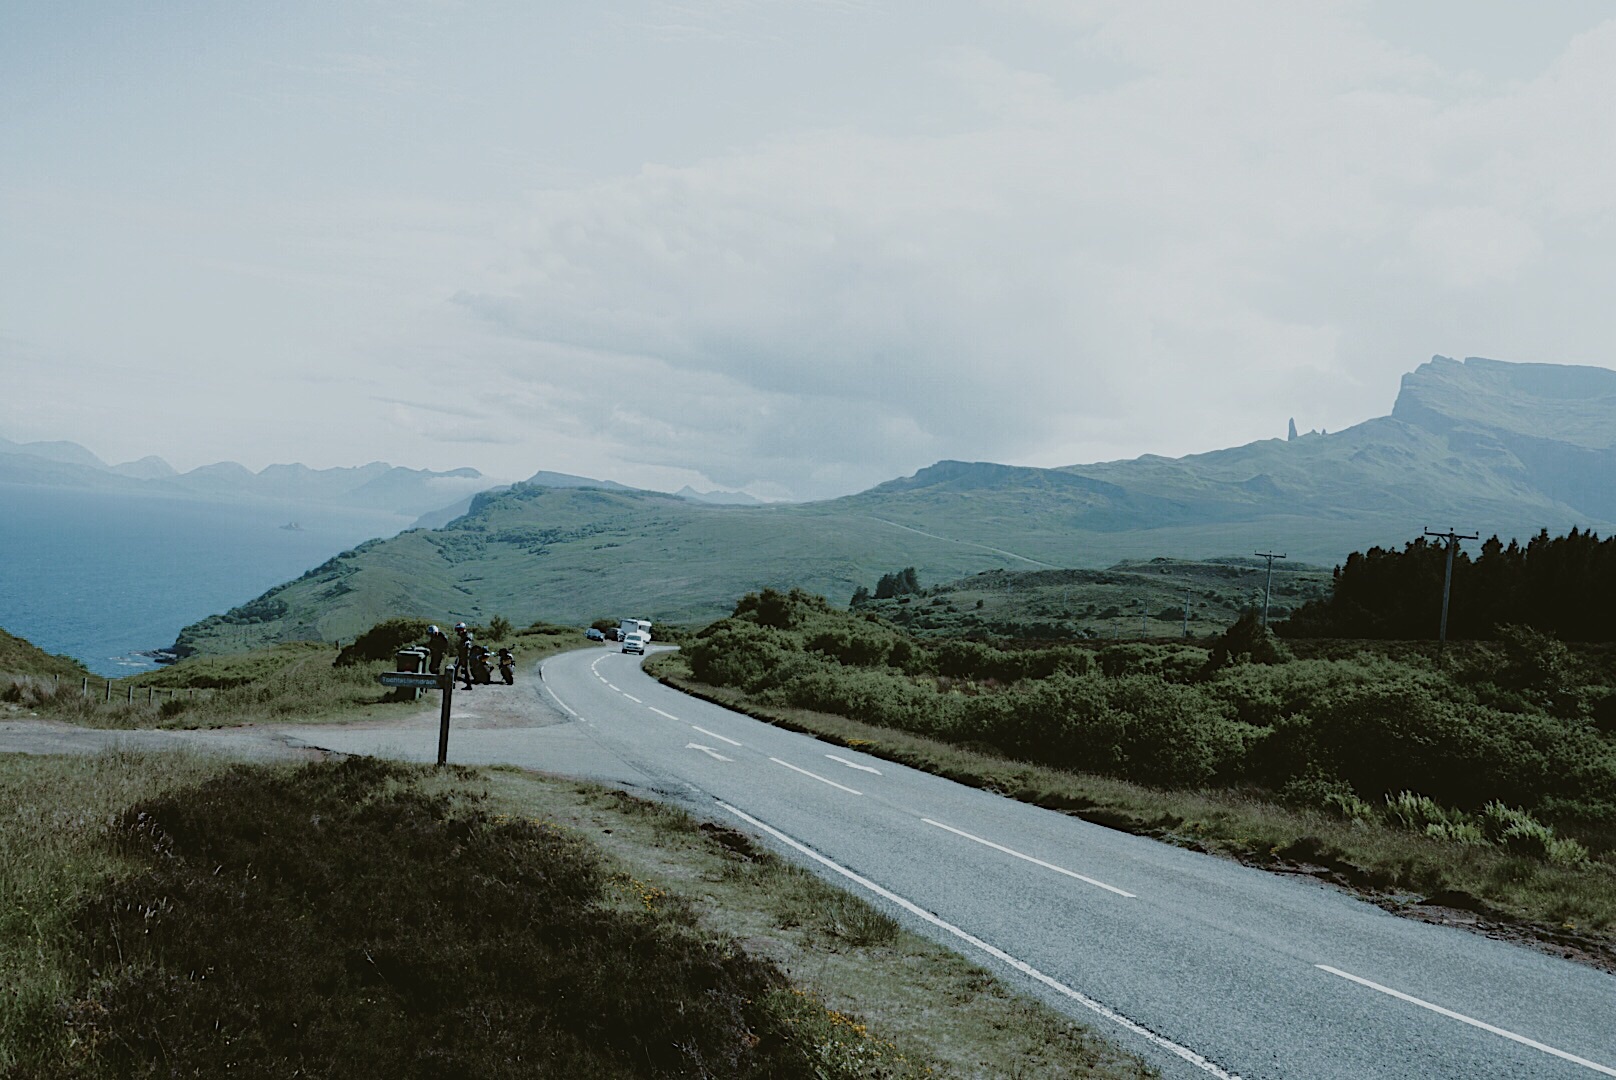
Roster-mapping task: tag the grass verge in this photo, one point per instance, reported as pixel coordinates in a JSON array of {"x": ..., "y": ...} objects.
[
  {"x": 290, "y": 683},
  {"x": 169, "y": 915},
  {"x": 1570, "y": 910}
]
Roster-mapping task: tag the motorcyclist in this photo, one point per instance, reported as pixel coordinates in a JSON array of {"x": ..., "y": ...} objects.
[
  {"x": 507, "y": 666},
  {"x": 479, "y": 664},
  {"x": 437, "y": 643},
  {"x": 463, "y": 653}
]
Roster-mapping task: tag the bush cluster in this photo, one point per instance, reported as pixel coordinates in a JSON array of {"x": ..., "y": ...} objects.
[
  {"x": 344, "y": 920},
  {"x": 1518, "y": 725}
]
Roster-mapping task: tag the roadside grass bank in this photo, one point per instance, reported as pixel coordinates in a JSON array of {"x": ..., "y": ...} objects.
[
  {"x": 868, "y": 994},
  {"x": 1390, "y": 858},
  {"x": 294, "y": 682},
  {"x": 178, "y": 915}
]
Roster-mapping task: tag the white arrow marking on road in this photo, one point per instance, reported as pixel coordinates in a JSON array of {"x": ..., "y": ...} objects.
[
  {"x": 816, "y": 776},
  {"x": 1463, "y": 1019},
  {"x": 714, "y": 734},
  {"x": 659, "y": 712},
  {"x": 709, "y": 751},
  {"x": 1029, "y": 858},
  {"x": 992, "y": 950},
  {"x": 854, "y": 764}
]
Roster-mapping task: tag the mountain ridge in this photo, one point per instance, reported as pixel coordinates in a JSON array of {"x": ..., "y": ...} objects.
[{"x": 580, "y": 552}]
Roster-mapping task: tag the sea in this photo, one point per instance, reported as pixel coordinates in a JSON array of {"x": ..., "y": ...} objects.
[{"x": 107, "y": 579}]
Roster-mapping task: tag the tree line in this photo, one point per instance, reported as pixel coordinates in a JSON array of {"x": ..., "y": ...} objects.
[{"x": 1562, "y": 585}]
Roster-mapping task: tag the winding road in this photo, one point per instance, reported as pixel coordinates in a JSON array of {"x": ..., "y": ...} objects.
[{"x": 1205, "y": 967}]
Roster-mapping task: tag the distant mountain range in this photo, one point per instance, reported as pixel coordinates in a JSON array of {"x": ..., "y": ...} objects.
[
  {"x": 1482, "y": 446},
  {"x": 377, "y": 486}
]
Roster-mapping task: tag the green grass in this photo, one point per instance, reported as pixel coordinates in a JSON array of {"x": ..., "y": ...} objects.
[
  {"x": 290, "y": 683},
  {"x": 1131, "y": 600},
  {"x": 168, "y": 915},
  {"x": 1564, "y": 905},
  {"x": 21, "y": 657},
  {"x": 54, "y": 815}
]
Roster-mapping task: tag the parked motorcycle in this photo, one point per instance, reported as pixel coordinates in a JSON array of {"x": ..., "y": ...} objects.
[{"x": 507, "y": 666}]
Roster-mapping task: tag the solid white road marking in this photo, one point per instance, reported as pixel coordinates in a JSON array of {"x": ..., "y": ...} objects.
[
  {"x": 816, "y": 776},
  {"x": 1029, "y": 858},
  {"x": 634, "y": 699},
  {"x": 709, "y": 751},
  {"x": 561, "y": 703},
  {"x": 997, "y": 953},
  {"x": 854, "y": 764},
  {"x": 714, "y": 734},
  {"x": 1463, "y": 1019},
  {"x": 659, "y": 712}
]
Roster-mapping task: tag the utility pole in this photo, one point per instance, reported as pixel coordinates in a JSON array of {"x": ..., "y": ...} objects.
[
  {"x": 1269, "y": 585},
  {"x": 1186, "y": 614},
  {"x": 1453, "y": 539}
]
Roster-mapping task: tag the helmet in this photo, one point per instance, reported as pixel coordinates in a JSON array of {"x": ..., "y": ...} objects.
[
  {"x": 460, "y": 626},
  {"x": 433, "y": 629}
]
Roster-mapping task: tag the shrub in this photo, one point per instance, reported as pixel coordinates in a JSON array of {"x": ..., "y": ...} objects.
[
  {"x": 1247, "y": 641},
  {"x": 382, "y": 641},
  {"x": 1173, "y": 735}
]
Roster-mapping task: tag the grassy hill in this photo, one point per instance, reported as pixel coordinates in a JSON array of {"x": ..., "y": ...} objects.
[
  {"x": 575, "y": 554},
  {"x": 21, "y": 657},
  {"x": 1132, "y": 600}
]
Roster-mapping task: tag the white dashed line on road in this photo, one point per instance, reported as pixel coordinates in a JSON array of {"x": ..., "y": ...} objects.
[
  {"x": 1029, "y": 858},
  {"x": 634, "y": 699},
  {"x": 853, "y": 764},
  {"x": 659, "y": 712},
  {"x": 816, "y": 776},
  {"x": 715, "y": 735},
  {"x": 1463, "y": 1019},
  {"x": 994, "y": 951}
]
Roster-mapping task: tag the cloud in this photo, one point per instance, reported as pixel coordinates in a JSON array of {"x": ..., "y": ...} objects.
[
  {"x": 1231, "y": 232},
  {"x": 802, "y": 247}
]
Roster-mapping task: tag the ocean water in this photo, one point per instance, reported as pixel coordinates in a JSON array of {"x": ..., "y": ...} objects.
[{"x": 102, "y": 578}]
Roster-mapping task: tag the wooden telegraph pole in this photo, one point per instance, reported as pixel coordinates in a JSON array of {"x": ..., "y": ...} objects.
[
  {"x": 1268, "y": 587},
  {"x": 1453, "y": 539}
]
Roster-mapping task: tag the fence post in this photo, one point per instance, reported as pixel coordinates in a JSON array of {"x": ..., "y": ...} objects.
[
  {"x": 109, "y": 689},
  {"x": 129, "y": 694},
  {"x": 86, "y": 688}
]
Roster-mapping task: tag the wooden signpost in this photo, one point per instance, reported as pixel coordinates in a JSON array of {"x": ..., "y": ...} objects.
[{"x": 421, "y": 680}]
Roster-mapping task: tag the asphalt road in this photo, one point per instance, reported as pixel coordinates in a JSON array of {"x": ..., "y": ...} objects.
[{"x": 1205, "y": 967}]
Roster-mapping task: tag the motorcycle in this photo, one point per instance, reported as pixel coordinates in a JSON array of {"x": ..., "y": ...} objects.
[{"x": 507, "y": 666}]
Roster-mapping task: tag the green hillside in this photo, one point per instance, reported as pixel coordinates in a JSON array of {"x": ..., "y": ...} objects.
[
  {"x": 21, "y": 657},
  {"x": 575, "y": 554},
  {"x": 1132, "y": 600}
]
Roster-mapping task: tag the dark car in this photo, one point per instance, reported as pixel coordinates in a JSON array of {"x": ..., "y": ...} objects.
[{"x": 594, "y": 635}]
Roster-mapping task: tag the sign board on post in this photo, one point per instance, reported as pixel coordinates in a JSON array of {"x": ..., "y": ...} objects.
[{"x": 421, "y": 680}]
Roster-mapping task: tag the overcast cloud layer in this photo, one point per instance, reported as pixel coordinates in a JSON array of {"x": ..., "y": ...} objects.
[{"x": 791, "y": 246}]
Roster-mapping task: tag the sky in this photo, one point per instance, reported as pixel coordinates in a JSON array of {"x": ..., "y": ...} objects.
[{"x": 790, "y": 247}]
